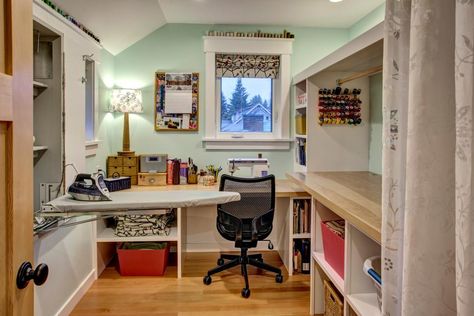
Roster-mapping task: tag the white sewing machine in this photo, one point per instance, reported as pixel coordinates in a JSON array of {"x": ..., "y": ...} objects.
[{"x": 259, "y": 166}]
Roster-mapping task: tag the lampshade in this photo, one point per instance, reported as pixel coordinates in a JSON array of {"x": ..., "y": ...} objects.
[{"x": 126, "y": 101}]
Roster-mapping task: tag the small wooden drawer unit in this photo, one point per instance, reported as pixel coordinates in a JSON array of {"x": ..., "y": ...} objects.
[{"x": 123, "y": 166}]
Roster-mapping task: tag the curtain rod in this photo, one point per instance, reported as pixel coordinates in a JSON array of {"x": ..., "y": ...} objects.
[{"x": 368, "y": 72}]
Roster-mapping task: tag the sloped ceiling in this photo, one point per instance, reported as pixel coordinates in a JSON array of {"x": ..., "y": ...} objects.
[{"x": 120, "y": 23}]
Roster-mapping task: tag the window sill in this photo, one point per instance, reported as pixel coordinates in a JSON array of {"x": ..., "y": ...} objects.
[
  {"x": 250, "y": 144},
  {"x": 91, "y": 147}
]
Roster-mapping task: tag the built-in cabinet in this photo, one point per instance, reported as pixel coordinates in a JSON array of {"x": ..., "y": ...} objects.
[
  {"x": 340, "y": 147},
  {"x": 48, "y": 123}
]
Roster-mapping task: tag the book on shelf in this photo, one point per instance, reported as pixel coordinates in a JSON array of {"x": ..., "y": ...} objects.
[
  {"x": 301, "y": 216},
  {"x": 301, "y": 151},
  {"x": 301, "y": 255}
]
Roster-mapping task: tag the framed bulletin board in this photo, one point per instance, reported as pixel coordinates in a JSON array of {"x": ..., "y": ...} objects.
[{"x": 176, "y": 101}]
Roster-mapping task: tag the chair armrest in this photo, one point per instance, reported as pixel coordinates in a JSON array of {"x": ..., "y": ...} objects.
[{"x": 255, "y": 221}]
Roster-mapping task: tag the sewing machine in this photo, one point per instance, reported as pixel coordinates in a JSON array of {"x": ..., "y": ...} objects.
[{"x": 259, "y": 166}]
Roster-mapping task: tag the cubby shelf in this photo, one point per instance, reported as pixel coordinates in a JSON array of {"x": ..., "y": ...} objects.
[
  {"x": 364, "y": 304},
  {"x": 330, "y": 272},
  {"x": 301, "y": 106},
  {"x": 302, "y": 236},
  {"x": 300, "y": 136},
  {"x": 108, "y": 235}
]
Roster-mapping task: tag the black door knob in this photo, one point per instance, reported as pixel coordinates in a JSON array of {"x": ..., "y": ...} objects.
[{"x": 26, "y": 273}]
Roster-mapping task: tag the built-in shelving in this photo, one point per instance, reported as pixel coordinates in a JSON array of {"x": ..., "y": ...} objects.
[
  {"x": 108, "y": 235},
  {"x": 302, "y": 236},
  {"x": 300, "y": 136},
  {"x": 335, "y": 278},
  {"x": 364, "y": 304}
]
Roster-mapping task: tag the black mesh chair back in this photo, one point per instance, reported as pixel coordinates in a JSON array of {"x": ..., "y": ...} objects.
[{"x": 253, "y": 213}]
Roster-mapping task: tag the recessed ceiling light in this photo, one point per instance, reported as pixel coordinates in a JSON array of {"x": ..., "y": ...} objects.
[{"x": 335, "y": 1}]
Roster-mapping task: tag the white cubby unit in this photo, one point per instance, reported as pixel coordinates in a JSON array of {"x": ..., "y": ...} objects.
[
  {"x": 301, "y": 106},
  {"x": 338, "y": 156},
  {"x": 358, "y": 291},
  {"x": 297, "y": 232},
  {"x": 107, "y": 241}
]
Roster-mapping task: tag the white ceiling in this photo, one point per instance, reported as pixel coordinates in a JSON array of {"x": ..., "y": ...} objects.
[{"x": 120, "y": 23}]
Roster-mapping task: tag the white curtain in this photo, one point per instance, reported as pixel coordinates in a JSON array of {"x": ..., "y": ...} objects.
[{"x": 428, "y": 216}]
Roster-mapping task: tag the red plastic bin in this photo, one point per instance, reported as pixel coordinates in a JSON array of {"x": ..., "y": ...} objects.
[
  {"x": 333, "y": 246},
  {"x": 143, "y": 262}
]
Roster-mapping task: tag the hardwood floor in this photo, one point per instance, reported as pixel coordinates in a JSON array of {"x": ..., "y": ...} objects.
[{"x": 112, "y": 294}]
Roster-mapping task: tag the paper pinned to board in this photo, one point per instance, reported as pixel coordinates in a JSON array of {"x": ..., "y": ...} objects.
[
  {"x": 185, "y": 124},
  {"x": 178, "y": 102},
  {"x": 178, "y": 93}
]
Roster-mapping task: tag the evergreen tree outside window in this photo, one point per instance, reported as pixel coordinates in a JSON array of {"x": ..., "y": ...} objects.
[{"x": 246, "y": 105}]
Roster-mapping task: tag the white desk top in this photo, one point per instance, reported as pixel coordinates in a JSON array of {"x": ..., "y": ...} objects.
[{"x": 143, "y": 200}]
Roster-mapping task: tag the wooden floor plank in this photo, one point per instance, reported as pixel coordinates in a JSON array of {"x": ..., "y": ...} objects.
[{"x": 112, "y": 294}]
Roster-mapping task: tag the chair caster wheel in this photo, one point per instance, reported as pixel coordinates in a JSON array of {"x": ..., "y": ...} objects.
[
  {"x": 207, "y": 280},
  {"x": 278, "y": 278},
  {"x": 220, "y": 262},
  {"x": 245, "y": 292}
]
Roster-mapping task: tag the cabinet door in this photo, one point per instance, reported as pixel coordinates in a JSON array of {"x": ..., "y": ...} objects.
[
  {"x": 16, "y": 153},
  {"x": 74, "y": 104}
]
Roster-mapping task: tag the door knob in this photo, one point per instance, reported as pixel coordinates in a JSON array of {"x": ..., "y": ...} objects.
[{"x": 26, "y": 273}]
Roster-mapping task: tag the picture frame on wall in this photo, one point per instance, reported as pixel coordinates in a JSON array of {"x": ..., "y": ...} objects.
[{"x": 176, "y": 101}]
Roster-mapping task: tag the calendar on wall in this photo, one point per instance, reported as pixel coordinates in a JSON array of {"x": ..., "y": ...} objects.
[{"x": 176, "y": 101}]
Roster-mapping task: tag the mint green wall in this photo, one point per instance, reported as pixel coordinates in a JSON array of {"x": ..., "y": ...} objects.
[
  {"x": 105, "y": 81},
  {"x": 368, "y": 21},
  {"x": 375, "y": 144},
  {"x": 179, "y": 48}
]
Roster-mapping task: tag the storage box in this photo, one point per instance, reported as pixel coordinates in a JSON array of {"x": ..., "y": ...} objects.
[
  {"x": 147, "y": 178},
  {"x": 300, "y": 124},
  {"x": 333, "y": 246},
  {"x": 333, "y": 304},
  {"x": 143, "y": 262}
]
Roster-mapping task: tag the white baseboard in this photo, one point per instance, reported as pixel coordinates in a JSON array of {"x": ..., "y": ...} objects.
[{"x": 75, "y": 297}]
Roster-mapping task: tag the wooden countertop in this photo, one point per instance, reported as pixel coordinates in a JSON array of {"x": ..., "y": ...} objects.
[
  {"x": 284, "y": 188},
  {"x": 354, "y": 196}
]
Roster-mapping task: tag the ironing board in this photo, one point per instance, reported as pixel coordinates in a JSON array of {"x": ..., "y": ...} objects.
[{"x": 145, "y": 202}]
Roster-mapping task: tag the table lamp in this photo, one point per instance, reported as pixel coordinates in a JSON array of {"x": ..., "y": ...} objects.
[{"x": 126, "y": 101}]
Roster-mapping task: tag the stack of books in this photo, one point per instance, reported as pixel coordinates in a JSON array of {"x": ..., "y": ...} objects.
[{"x": 301, "y": 216}]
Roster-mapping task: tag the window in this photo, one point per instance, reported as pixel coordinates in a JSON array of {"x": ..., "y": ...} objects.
[
  {"x": 247, "y": 93},
  {"x": 246, "y": 105},
  {"x": 90, "y": 99}
]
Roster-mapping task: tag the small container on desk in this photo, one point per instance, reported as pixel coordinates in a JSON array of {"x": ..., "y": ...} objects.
[{"x": 151, "y": 178}]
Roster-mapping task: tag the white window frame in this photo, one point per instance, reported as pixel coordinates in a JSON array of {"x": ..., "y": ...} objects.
[
  {"x": 92, "y": 145},
  {"x": 280, "y": 137},
  {"x": 256, "y": 135}
]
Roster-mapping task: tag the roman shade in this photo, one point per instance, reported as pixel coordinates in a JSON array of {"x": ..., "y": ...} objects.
[{"x": 247, "y": 66}]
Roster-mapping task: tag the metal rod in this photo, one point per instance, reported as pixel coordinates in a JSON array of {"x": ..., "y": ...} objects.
[{"x": 368, "y": 72}]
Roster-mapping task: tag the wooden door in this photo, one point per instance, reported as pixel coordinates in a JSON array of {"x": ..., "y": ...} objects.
[{"x": 16, "y": 153}]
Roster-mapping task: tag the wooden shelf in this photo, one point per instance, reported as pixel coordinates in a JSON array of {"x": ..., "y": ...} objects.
[
  {"x": 108, "y": 235},
  {"x": 38, "y": 88},
  {"x": 40, "y": 148},
  {"x": 330, "y": 272},
  {"x": 301, "y": 136},
  {"x": 364, "y": 304},
  {"x": 302, "y": 236},
  {"x": 301, "y": 106}
]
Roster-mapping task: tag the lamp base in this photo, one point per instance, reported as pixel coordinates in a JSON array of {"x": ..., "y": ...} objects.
[{"x": 126, "y": 153}]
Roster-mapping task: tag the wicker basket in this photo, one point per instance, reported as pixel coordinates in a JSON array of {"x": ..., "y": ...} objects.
[{"x": 332, "y": 302}]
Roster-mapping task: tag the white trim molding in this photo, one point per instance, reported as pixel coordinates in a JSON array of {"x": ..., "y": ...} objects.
[
  {"x": 246, "y": 143},
  {"x": 280, "y": 139}
]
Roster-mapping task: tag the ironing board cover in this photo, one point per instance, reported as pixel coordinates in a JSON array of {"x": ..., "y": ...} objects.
[{"x": 145, "y": 200}]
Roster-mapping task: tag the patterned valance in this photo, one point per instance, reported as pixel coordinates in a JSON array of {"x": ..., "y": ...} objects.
[{"x": 247, "y": 66}]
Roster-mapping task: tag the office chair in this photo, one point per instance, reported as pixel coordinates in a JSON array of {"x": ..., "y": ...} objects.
[{"x": 246, "y": 222}]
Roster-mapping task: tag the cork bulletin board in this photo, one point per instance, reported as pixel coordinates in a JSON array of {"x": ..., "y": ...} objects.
[{"x": 176, "y": 101}]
